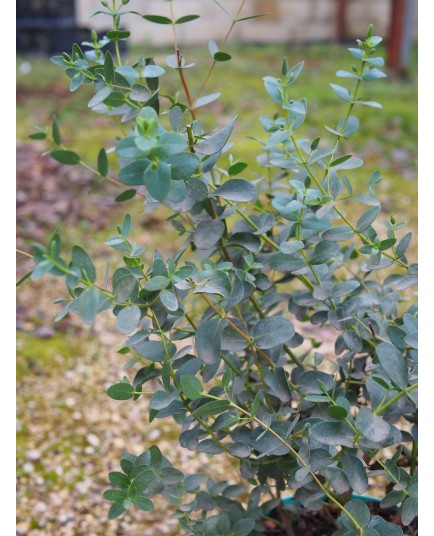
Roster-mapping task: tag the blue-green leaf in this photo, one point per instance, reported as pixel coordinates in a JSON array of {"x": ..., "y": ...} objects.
[
  {"x": 186, "y": 18},
  {"x": 161, "y": 399},
  {"x": 393, "y": 362},
  {"x": 272, "y": 331},
  {"x": 109, "y": 68},
  {"x": 368, "y": 218},
  {"x": 191, "y": 386},
  {"x": 152, "y": 71},
  {"x": 157, "y": 180},
  {"x": 216, "y": 142},
  {"x": 409, "y": 510},
  {"x": 102, "y": 162},
  {"x": 212, "y": 408},
  {"x": 208, "y": 340},
  {"x": 355, "y": 472},
  {"x": 208, "y": 233},
  {"x": 333, "y": 433},
  {"x": 374, "y": 428},
  {"x": 81, "y": 259},
  {"x": 183, "y": 165},
  {"x": 359, "y": 510},
  {"x": 158, "y": 19},
  {"x": 128, "y": 319},
  {"x": 169, "y": 300},
  {"x": 342, "y": 92},
  {"x": 159, "y": 282},
  {"x": 238, "y": 190},
  {"x": 127, "y": 71},
  {"x": 133, "y": 173},
  {"x": 206, "y": 99}
]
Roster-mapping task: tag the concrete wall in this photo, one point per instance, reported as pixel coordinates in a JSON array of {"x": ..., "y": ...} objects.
[{"x": 295, "y": 21}]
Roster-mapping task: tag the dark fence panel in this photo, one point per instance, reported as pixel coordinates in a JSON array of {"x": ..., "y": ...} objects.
[
  {"x": 46, "y": 9},
  {"x": 47, "y": 26}
]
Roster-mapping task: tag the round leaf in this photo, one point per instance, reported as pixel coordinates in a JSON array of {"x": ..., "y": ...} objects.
[
  {"x": 359, "y": 510},
  {"x": 152, "y": 71},
  {"x": 139, "y": 93},
  {"x": 272, "y": 331},
  {"x": 127, "y": 319},
  {"x": 393, "y": 362},
  {"x": 238, "y": 190},
  {"x": 337, "y": 412},
  {"x": 169, "y": 300}
]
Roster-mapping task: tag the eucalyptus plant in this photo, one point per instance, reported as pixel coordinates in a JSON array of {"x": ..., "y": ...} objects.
[{"x": 220, "y": 327}]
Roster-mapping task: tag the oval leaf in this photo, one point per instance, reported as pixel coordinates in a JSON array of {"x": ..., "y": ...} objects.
[
  {"x": 272, "y": 331},
  {"x": 208, "y": 340},
  {"x": 393, "y": 362},
  {"x": 191, "y": 386},
  {"x": 127, "y": 319},
  {"x": 121, "y": 391},
  {"x": 238, "y": 190},
  {"x": 65, "y": 157}
]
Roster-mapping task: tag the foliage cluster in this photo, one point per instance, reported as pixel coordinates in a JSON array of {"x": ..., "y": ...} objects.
[{"x": 235, "y": 334}]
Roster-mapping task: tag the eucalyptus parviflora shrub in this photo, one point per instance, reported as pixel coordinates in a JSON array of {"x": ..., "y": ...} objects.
[{"x": 261, "y": 258}]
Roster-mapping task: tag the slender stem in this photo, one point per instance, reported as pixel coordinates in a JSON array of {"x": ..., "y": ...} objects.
[
  {"x": 185, "y": 85},
  {"x": 190, "y": 137},
  {"x": 230, "y": 323},
  {"x": 107, "y": 177},
  {"x": 389, "y": 472},
  {"x": 234, "y": 21},
  {"x": 240, "y": 316},
  {"x": 264, "y": 237},
  {"x": 179, "y": 62},
  {"x": 362, "y": 237},
  {"x": 115, "y": 28},
  {"x": 96, "y": 172},
  {"x": 293, "y": 357},
  {"x": 237, "y": 330},
  {"x": 413, "y": 459},
  {"x": 261, "y": 372},
  {"x": 89, "y": 284},
  {"x": 344, "y": 124},
  {"x": 120, "y": 125},
  {"x": 176, "y": 383},
  {"x": 190, "y": 321},
  {"x": 172, "y": 16},
  {"x": 375, "y": 336},
  {"x": 268, "y": 360},
  {"x": 296, "y": 455},
  {"x": 21, "y": 252},
  {"x": 382, "y": 408}
]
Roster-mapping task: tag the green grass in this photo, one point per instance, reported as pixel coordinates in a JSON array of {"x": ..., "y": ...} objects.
[{"x": 34, "y": 354}]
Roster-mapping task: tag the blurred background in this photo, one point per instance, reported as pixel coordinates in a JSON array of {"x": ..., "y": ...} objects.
[{"x": 69, "y": 433}]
